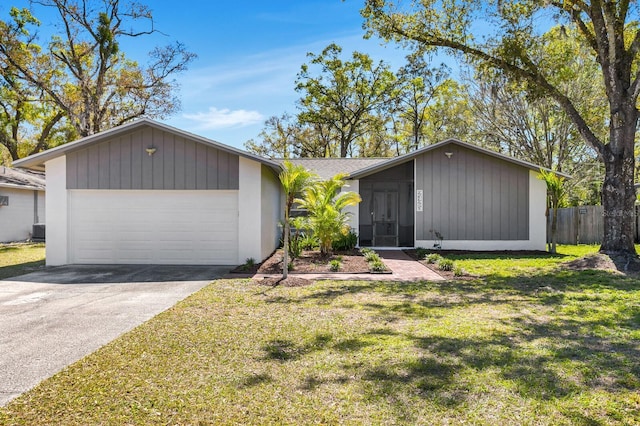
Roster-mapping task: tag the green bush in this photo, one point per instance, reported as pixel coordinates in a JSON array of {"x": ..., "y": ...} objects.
[
  {"x": 309, "y": 242},
  {"x": 433, "y": 258},
  {"x": 445, "y": 264},
  {"x": 345, "y": 242},
  {"x": 371, "y": 256},
  {"x": 377, "y": 266},
  {"x": 365, "y": 250},
  {"x": 421, "y": 252},
  {"x": 458, "y": 271},
  {"x": 295, "y": 246},
  {"x": 335, "y": 265},
  {"x": 248, "y": 264}
]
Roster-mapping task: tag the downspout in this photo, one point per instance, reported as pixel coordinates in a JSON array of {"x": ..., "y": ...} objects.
[{"x": 35, "y": 206}]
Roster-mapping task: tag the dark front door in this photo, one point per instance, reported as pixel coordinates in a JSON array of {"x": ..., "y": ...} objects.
[{"x": 384, "y": 217}]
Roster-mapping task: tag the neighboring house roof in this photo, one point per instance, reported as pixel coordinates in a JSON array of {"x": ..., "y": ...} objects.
[
  {"x": 326, "y": 168},
  {"x": 410, "y": 156},
  {"x": 21, "y": 179},
  {"x": 37, "y": 161}
]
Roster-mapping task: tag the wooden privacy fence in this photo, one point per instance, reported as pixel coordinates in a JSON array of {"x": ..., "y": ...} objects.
[{"x": 584, "y": 225}]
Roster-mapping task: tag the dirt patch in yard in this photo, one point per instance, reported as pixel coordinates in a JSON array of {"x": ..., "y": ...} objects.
[
  {"x": 310, "y": 262},
  {"x": 622, "y": 264},
  {"x": 287, "y": 282}
]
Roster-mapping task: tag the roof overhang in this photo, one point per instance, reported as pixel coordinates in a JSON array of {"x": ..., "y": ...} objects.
[
  {"x": 25, "y": 187},
  {"x": 37, "y": 161},
  {"x": 410, "y": 156}
]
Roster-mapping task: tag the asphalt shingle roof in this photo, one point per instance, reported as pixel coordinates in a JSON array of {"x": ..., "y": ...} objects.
[
  {"x": 21, "y": 179},
  {"x": 329, "y": 167}
]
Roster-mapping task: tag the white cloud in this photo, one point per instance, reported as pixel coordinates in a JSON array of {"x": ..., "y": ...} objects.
[{"x": 216, "y": 118}]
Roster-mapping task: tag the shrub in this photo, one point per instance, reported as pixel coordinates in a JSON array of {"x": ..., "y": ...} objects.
[
  {"x": 458, "y": 271},
  {"x": 445, "y": 264},
  {"x": 365, "y": 250},
  {"x": 433, "y": 258},
  {"x": 248, "y": 264},
  {"x": 421, "y": 252},
  {"x": 377, "y": 266},
  {"x": 335, "y": 265},
  {"x": 345, "y": 242},
  {"x": 295, "y": 246},
  {"x": 371, "y": 256},
  {"x": 309, "y": 242}
]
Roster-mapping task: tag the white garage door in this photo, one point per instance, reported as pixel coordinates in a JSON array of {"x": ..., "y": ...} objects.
[{"x": 153, "y": 227}]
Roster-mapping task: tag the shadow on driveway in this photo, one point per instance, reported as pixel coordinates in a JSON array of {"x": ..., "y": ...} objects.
[{"x": 114, "y": 274}]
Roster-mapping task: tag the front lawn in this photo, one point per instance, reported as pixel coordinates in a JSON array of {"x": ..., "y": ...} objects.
[
  {"x": 19, "y": 259},
  {"x": 526, "y": 344}
]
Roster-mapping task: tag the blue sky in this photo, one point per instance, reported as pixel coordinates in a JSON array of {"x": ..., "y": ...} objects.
[{"x": 249, "y": 52}]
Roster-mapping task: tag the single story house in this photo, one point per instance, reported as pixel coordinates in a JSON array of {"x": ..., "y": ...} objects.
[
  {"x": 22, "y": 203},
  {"x": 145, "y": 192}
]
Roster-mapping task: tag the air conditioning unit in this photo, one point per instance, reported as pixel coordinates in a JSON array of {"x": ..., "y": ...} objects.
[{"x": 38, "y": 232}]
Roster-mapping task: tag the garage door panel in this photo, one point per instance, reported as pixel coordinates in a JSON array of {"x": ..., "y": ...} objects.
[{"x": 164, "y": 227}]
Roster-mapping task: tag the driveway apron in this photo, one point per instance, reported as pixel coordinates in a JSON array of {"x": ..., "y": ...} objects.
[{"x": 52, "y": 318}]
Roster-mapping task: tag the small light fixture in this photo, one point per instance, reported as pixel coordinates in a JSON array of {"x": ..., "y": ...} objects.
[
  {"x": 150, "y": 150},
  {"x": 448, "y": 154}
]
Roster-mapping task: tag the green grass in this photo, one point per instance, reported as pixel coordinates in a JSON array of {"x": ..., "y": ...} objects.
[
  {"x": 18, "y": 259},
  {"x": 526, "y": 344}
]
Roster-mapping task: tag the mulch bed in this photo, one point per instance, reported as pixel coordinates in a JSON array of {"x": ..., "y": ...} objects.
[
  {"x": 447, "y": 275},
  {"x": 310, "y": 262}
]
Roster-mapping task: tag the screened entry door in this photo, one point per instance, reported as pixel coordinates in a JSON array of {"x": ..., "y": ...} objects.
[{"x": 385, "y": 219}]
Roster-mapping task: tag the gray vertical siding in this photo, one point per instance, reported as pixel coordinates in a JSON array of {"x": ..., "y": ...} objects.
[
  {"x": 178, "y": 163},
  {"x": 471, "y": 196}
]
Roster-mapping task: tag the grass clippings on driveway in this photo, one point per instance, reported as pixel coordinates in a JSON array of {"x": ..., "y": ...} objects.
[
  {"x": 20, "y": 258},
  {"x": 528, "y": 344}
]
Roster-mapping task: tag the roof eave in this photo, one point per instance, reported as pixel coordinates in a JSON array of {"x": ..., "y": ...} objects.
[
  {"x": 36, "y": 161},
  {"x": 410, "y": 156}
]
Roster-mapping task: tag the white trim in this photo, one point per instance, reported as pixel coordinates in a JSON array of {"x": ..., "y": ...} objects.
[
  {"x": 57, "y": 218},
  {"x": 354, "y": 219},
  {"x": 249, "y": 210},
  {"x": 482, "y": 245},
  {"x": 537, "y": 208}
]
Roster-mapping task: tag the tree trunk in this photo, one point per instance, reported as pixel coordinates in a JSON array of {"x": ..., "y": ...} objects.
[
  {"x": 618, "y": 192},
  {"x": 285, "y": 255},
  {"x": 554, "y": 228}
]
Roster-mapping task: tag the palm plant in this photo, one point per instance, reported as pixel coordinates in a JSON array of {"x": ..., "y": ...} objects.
[
  {"x": 294, "y": 179},
  {"x": 325, "y": 204},
  {"x": 555, "y": 194}
]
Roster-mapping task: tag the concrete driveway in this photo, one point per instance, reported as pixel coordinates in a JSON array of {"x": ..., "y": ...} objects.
[{"x": 52, "y": 318}]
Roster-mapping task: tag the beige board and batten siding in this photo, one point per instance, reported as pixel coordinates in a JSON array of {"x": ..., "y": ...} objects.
[
  {"x": 470, "y": 196},
  {"x": 176, "y": 164}
]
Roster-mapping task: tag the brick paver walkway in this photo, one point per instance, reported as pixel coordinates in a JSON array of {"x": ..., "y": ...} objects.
[{"x": 403, "y": 268}]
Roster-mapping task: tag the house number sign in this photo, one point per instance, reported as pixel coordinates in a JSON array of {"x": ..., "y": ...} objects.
[{"x": 419, "y": 200}]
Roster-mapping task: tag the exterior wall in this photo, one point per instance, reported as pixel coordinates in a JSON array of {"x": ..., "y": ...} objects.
[
  {"x": 178, "y": 163},
  {"x": 471, "y": 197},
  {"x": 249, "y": 211},
  {"x": 354, "y": 217},
  {"x": 57, "y": 217},
  {"x": 41, "y": 212},
  {"x": 26, "y": 207},
  {"x": 537, "y": 223},
  {"x": 537, "y": 208},
  {"x": 271, "y": 209}
]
